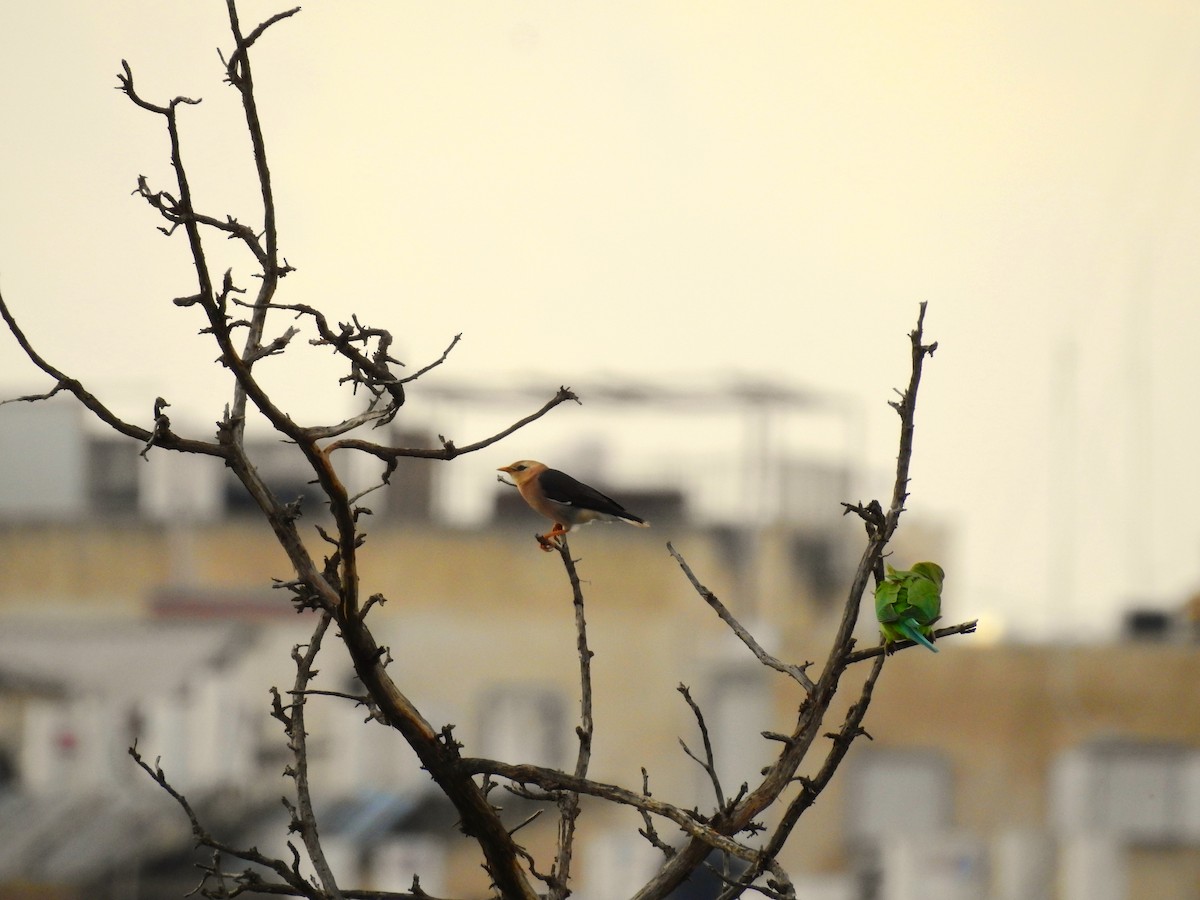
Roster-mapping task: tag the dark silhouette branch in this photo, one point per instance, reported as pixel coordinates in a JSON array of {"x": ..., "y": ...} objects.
[
  {"x": 331, "y": 586},
  {"x": 334, "y": 586},
  {"x": 449, "y": 450},
  {"x": 437, "y": 362},
  {"x": 232, "y": 70},
  {"x": 162, "y": 438},
  {"x": 371, "y": 370}
]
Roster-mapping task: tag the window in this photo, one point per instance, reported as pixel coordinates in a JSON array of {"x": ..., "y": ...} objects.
[
  {"x": 1146, "y": 794},
  {"x": 112, "y": 476}
]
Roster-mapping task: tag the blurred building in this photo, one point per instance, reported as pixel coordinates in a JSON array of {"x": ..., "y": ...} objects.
[{"x": 136, "y": 606}]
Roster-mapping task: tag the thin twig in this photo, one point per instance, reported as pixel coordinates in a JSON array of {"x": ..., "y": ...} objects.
[
  {"x": 250, "y": 882},
  {"x": 291, "y": 876},
  {"x": 797, "y": 673},
  {"x": 165, "y": 439},
  {"x": 880, "y": 650},
  {"x": 568, "y": 802},
  {"x": 648, "y": 830},
  {"x": 370, "y": 370},
  {"x": 305, "y": 819},
  {"x": 359, "y": 699},
  {"x": 449, "y": 449},
  {"x": 708, "y": 763},
  {"x": 553, "y": 780},
  {"x": 239, "y": 75},
  {"x": 433, "y": 365}
]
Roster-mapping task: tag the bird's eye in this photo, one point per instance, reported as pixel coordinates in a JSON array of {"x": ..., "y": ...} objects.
[{"x": 519, "y": 468}]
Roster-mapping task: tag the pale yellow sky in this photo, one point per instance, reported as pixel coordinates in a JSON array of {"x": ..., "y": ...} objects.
[{"x": 681, "y": 191}]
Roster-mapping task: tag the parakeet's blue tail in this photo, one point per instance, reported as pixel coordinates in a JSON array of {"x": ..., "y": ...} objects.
[{"x": 912, "y": 631}]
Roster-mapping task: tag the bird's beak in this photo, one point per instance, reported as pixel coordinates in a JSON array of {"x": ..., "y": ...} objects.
[{"x": 507, "y": 469}]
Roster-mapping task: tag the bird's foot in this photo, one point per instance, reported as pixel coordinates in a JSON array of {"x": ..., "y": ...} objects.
[{"x": 552, "y": 540}]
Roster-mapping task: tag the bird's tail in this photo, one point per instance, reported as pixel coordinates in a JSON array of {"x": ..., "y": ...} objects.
[
  {"x": 634, "y": 520},
  {"x": 912, "y": 631}
]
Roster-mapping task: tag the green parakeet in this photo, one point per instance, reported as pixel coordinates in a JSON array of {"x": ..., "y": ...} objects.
[{"x": 908, "y": 603}]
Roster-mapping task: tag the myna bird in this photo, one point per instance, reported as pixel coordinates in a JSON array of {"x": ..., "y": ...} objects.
[{"x": 559, "y": 497}]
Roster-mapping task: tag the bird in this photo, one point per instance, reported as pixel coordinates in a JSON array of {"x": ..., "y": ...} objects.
[
  {"x": 908, "y": 602},
  {"x": 564, "y": 500}
]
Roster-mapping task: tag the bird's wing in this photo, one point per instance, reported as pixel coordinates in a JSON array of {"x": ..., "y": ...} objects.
[{"x": 560, "y": 487}]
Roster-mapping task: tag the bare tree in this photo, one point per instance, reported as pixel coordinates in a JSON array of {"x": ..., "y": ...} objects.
[{"x": 329, "y": 585}]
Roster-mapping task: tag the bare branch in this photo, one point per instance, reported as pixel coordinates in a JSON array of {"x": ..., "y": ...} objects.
[
  {"x": 906, "y": 408},
  {"x": 433, "y": 365},
  {"x": 796, "y": 673},
  {"x": 372, "y": 371},
  {"x": 779, "y": 775},
  {"x": 63, "y": 382},
  {"x": 275, "y": 347},
  {"x": 553, "y": 780},
  {"x": 238, "y": 73},
  {"x": 647, "y": 830},
  {"x": 162, "y": 426},
  {"x": 811, "y": 787},
  {"x": 708, "y": 763},
  {"x": 304, "y": 818},
  {"x": 333, "y": 587},
  {"x": 125, "y": 85},
  {"x": 290, "y": 875},
  {"x": 245, "y": 44},
  {"x": 250, "y": 882},
  {"x": 330, "y": 583},
  {"x": 568, "y": 802},
  {"x": 449, "y": 449},
  {"x": 879, "y": 650}
]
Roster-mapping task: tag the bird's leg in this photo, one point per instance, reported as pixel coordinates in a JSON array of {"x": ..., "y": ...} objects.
[
  {"x": 889, "y": 645},
  {"x": 549, "y": 540}
]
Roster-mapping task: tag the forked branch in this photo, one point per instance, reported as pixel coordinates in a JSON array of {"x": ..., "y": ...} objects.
[
  {"x": 820, "y": 694},
  {"x": 330, "y": 586}
]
